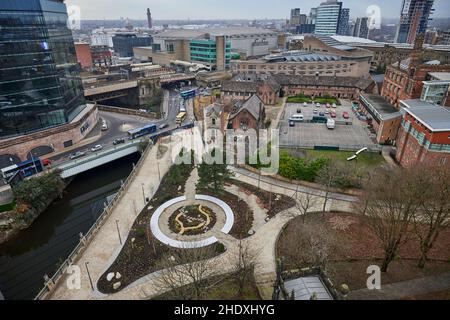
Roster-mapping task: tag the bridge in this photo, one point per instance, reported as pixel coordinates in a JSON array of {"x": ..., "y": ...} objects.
[
  {"x": 74, "y": 167},
  {"x": 169, "y": 78},
  {"x": 110, "y": 90}
]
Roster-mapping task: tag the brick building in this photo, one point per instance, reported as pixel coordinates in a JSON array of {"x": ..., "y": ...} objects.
[
  {"x": 249, "y": 114},
  {"x": 404, "y": 80},
  {"x": 424, "y": 134},
  {"x": 385, "y": 117},
  {"x": 243, "y": 86},
  {"x": 84, "y": 55}
]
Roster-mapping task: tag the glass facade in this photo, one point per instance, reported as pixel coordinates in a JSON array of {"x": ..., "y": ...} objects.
[
  {"x": 435, "y": 91},
  {"x": 40, "y": 86},
  {"x": 205, "y": 51},
  {"x": 327, "y": 19}
]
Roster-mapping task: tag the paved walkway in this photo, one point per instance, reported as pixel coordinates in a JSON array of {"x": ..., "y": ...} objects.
[
  {"x": 405, "y": 289},
  {"x": 105, "y": 246}
]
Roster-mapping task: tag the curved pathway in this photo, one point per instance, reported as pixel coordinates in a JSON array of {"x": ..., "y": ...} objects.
[{"x": 104, "y": 248}]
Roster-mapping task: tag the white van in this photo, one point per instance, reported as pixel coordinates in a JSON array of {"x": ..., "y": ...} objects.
[
  {"x": 296, "y": 118},
  {"x": 331, "y": 124}
]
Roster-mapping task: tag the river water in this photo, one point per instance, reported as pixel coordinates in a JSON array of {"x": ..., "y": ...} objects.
[{"x": 38, "y": 250}]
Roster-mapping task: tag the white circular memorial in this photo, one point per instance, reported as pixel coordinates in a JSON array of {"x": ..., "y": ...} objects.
[{"x": 161, "y": 236}]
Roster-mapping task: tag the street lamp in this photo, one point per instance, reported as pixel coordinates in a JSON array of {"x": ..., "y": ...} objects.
[
  {"x": 89, "y": 275},
  {"x": 143, "y": 193},
  {"x": 118, "y": 231}
]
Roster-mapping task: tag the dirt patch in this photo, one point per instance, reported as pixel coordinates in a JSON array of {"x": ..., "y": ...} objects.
[
  {"x": 359, "y": 247},
  {"x": 274, "y": 203}
]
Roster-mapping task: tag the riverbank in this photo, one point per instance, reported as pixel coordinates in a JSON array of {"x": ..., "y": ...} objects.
[
  {"x": 41, "y": 248},
  {"x": 23, "y": 215}
]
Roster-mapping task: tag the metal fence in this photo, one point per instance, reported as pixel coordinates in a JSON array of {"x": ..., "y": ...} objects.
[
  {"x": 85, "y": 239},
  {"x": 340, "y": 147}
]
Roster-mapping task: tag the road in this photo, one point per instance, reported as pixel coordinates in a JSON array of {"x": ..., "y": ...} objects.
[{"x": 120, "y": 124}]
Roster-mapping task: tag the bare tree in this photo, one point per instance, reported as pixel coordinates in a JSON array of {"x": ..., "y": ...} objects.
[
  {"x": 243, "y": 264},
  {"x": 328, "y": 176},
  {"x": 434, "y": 213},
  {"x": 184, "y": 272},
  {"x": 390, "y": 201},
  {"x": 304, "y": 202},
  {"x": 310, "y": 243}
]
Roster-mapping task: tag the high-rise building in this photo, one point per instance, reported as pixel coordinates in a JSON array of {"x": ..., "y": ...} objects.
[
  {"x": 295, "y": 17},
  {"x": 414, "y": 18},
  {"x": 327, "y": 19},
  {"x": 343, "y": 24},
  {"x": 361, "y": 28},
  {"x": 40, "y": 85},
  {"x": 125, "y": 42},
  {"x": 149, "y": 18},
  {"x": 312, "y": 16}
]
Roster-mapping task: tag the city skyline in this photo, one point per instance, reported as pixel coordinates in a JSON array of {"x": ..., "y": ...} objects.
[{"x": 177, "y": 9}]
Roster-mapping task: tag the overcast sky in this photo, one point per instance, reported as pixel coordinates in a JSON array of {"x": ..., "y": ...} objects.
[{"x": 228, "y": 9}]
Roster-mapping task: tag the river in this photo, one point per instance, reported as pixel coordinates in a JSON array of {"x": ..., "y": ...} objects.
[{"x": 25, "y": 259}]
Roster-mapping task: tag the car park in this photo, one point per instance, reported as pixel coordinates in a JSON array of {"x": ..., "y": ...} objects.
[
  {"x": 77, "y": 155},
  {"x": 97, "y": 148},
  {"x": 118, "y": 141}
]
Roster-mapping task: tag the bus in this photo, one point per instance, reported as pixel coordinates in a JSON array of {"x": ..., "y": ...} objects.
[
  {"x": 139, "y": 132},
  {"x": 188, "y": 94},
  {"x": 181, "y": 117},
  {"x": 25, "y": 169}
]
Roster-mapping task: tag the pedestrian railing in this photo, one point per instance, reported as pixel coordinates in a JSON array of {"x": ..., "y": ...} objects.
[{"x": 50, "y": 283}]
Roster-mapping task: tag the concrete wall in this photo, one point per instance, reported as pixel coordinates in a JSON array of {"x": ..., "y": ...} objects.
[{"x": 6, "y": 195}]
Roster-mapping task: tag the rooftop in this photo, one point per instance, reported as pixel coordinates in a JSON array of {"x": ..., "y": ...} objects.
[
  {"x": 444, "y": 76},
  {"x": 384, "y": 108},
  {"x": 432, "y": 116},
  {"x": 300, "y": 56},
  {"x": 351, "y": 82},
  {"x": 305, "y": 288},
  {"x": 200, "y": 33}
]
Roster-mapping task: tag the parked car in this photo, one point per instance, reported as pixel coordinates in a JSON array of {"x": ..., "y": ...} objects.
[
  {"x": 318, "y": 105},
  {"x": 104, "y": 126},
  {"x": 163, "y": 126},
  {"x": 345, "y": 115},
  {"x": 46, "y": 162},
  {"x": 97, "y": 148},
  {"x": 322, "y": 114},
  {"x": 299, "y": 110},
  {"x": 291, "y": 123},
  {"x": 296, "y": 118},
  {"x": 305, "y": 104},
  {"x": 118, "y": 141},
  {"x": 77, "y": 155},
  {"x": 327, "y": 111},
  {"x": 316, "y": 111},
  {"x": 334, "y": 105},
  {"x": 333, "y": 114}
]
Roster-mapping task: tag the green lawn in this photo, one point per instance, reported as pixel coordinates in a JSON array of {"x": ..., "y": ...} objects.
[
  {"x": 366, "y": 159},
  {"x": 308, "y": 99},
  {"x": 7, "y": 207}
]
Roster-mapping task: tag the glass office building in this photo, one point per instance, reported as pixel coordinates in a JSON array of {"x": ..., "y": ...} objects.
[
  {"x": 206, "y": 51},
  {"x": 414, "y": 18},
  {"x": 40, "y": 86},
  {"x": 327, "y": 18}
]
